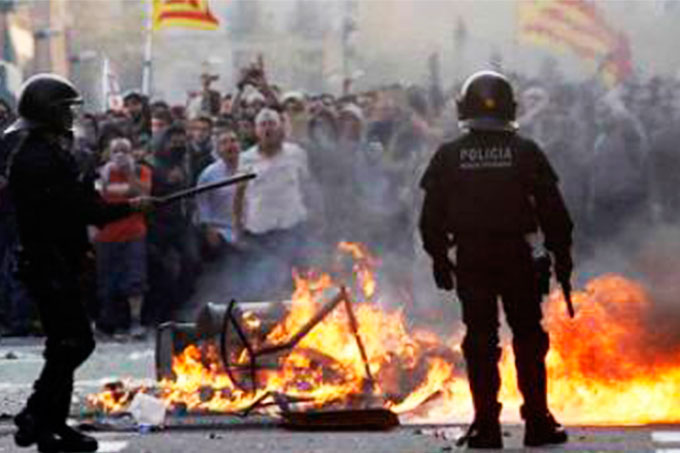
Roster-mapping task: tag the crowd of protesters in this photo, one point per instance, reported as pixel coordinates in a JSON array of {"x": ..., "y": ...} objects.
[{"x": 329, "y": 168}]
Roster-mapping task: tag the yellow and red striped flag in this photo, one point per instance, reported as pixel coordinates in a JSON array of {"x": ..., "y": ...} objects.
[
  {"x": 183, "y": 13},
  {"x": 577, "y": 26}
]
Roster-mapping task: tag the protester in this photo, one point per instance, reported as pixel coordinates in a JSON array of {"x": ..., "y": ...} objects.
[
  {"x": 296, "y": 117},
  {"x": 276, "y": 210},
  {"x": 619, "y": 171},
  {"x": 121, "y": 245},
  {"x": 136, "y": 106},
  {"x": 365, "y": 150},
  {"x": 200, "y": 149},
  {"x": 172, "y": 251},
  {"x": 220, "y": 220},
  {"x": 207, "y": 101},
  {"x": 160, "y": 120}
]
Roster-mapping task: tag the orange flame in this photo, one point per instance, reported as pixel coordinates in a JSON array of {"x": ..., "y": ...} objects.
[
  {"x": 364, "y": 266},
  {"x": 600, "y": 370}
]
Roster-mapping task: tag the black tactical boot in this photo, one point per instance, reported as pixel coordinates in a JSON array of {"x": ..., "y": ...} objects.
[
  {"x": 49, "y": 443},
  {"x": 543, "y": 430},
  {"x": 74, "y": 441},
  {"x": 29, "y": 433},
  {"x": 27, "y": 429},
  {"x": 483, "y": 434}
]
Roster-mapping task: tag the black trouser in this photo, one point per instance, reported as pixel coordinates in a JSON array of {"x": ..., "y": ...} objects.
[
  {"x": 69, "y": 342},
  {"x": 489, "y": 267}
]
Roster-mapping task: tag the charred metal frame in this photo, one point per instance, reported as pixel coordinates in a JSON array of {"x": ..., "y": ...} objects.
[{"x": 230, "y": 319}]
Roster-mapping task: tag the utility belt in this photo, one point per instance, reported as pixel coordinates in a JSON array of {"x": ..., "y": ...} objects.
[{"x": 514, "y": 241}]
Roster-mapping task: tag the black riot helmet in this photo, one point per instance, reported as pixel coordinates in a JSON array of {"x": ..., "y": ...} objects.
[
  {"x": 45, "y": 100},
  {"x": 486, "y": 102}
]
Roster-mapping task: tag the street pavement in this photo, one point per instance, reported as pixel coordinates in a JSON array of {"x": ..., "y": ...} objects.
[{"x": 20, "y": 362}]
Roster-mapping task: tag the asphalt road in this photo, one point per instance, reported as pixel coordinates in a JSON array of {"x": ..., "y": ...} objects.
[{"x": 20, "y": 362}]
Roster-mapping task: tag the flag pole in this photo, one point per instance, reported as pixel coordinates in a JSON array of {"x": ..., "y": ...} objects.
[
  {"x": 146, "y": 72},
  {"x": 105, "y": 85}
]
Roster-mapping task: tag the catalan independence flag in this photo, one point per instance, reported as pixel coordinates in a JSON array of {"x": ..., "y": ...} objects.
[
  {"x": 576, "y": 26},
  {"x": 183, "y": 13}
]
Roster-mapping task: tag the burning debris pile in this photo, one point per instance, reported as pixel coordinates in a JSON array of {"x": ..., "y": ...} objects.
[{"x": 336, "y": 348}]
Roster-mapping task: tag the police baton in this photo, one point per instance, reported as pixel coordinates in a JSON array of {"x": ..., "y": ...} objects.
[
  {"x": 566, "y": 290},
  {"x": 186, "y": 193}
]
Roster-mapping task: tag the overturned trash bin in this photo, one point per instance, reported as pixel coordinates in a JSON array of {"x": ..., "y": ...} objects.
[{"x": 171, "y": 339}]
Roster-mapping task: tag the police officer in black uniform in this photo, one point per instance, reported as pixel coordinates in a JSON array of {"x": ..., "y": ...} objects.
[
  {"x": 484, "y": 194},
  {"x": 53, "y": 208}
]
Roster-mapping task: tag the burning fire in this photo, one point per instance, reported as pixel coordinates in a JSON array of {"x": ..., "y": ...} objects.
[{"x": 599, "y": 365}]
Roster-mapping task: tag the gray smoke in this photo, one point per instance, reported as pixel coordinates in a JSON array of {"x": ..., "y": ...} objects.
[{"x": 649, "y": 255}]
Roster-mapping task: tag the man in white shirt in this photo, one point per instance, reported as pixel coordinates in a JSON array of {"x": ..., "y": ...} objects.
[{"x": 275, "y": 212}]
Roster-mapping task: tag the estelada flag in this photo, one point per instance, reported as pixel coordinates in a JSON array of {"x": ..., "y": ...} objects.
[
  {"x": 578, "y": 26},
  {"x": 183, "y": 13}
]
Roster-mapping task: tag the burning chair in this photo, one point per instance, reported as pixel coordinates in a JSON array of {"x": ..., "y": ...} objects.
[{"x": 241, "y": 335}]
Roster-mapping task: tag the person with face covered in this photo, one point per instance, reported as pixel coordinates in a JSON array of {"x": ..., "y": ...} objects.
[
  {"x": 121, "y": 245},
  {"x": 275, "y": 206},
  {"x": 200, "y": 149},
  {"x": 172, "y": 258}
]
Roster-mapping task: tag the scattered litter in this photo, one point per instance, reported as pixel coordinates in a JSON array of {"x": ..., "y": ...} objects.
[
  {"x": 111, "y": 446},
  {"x": 449, "y": 433},
  {"x": 214, "y": 436},
  {"x": 118, "y": 423},
  {"x": 147, "y": 410}
]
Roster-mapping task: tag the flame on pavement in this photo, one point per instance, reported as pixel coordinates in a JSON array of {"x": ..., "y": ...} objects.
[{"x": 600, "y": 368}]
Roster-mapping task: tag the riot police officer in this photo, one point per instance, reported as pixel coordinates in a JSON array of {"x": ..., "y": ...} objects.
[
  {"x": 484, "y": 194},
  {"x": 53, "y": 208}
]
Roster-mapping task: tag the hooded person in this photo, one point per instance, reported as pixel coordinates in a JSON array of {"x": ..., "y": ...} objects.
[{"x": 172, "y": 249}]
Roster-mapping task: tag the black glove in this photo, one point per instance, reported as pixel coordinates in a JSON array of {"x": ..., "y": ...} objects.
[
  {"x": 563, "y": 266},
  {"x": 443, "y": 271}
]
